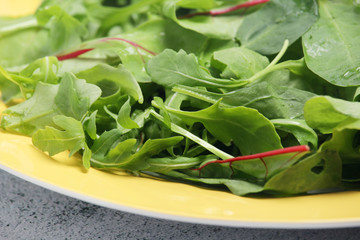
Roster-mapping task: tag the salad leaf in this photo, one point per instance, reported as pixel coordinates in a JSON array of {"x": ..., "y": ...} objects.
[
  {"x": 171, "y": 68},
  {"x": 250, "y": 131},
  {"x": 121, "y": 155},
  {"x": 330, "y": 46},
  {"x": 238, "y": 63},
  {"x": 271, "y": 96},
  {"x": 221, "y": 27},
  {"x": 70, "y": 136},
  {"x": 325, "y": 113},
  {"x": 212, "y": 93},
  {"x": 265, "y": 30},
  {"x": 304, "y": 176},
  {"x": 116, "y": 79},
  {"x": 48, "y": 101}
]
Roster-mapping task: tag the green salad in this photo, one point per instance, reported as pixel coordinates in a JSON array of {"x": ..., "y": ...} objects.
[{"x": 257, "y": 97}]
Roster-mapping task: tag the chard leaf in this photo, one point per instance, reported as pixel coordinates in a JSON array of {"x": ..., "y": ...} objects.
[
  {"x": 48, "y": 101},
  {"x": 238, "y": 63},
  {"x": 247, "y": 128},
  {"x": 331, "y": 46},
  {"x": 325, "y": 113},
  {"x": 266, "y": 30},
  {"x": 69, "y": 135},
  {"x": 220, "y": 27}
]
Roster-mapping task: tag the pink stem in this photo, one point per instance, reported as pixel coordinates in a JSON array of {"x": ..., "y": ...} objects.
[
  {"x": 85, "y": 50},
  {"x": 74, "y": 54},
  {"x": 226, "y": 10},
  {"x": 301, "y": 148},
  {"x": 128, "y": 41}
]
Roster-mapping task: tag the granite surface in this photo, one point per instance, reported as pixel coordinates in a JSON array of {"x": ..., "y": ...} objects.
[{"x": 28, "y": 211}]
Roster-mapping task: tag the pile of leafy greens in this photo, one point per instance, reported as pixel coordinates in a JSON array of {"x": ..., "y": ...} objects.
[{"x": 163, "y": 87}]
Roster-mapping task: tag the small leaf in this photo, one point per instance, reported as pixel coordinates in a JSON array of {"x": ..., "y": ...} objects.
[
  {"x": 70, "y": 136},
  {"x": 124, "y": 116}
]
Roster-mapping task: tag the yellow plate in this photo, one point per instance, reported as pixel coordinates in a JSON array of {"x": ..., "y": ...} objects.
[{"x": 169, "y": 200}]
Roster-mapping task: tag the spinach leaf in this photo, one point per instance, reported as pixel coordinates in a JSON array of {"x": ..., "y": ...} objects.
[
  {"x": 325, "y": 113},
  {"x": 265, "y": 30},
  {"x": 330, "y": 46}
]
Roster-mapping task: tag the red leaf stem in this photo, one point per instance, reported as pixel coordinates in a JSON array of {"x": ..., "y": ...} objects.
[
  {"x": 295, "y": 149},
  {"x": 77, "y": 53},
  {"x": 74, "y": 54},
  {"x": 130, "y": 42},
  {"x": 225, "y": 10}
]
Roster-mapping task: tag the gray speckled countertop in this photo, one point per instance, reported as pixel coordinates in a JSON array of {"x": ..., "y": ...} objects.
[{"x": 28, "y": 211}]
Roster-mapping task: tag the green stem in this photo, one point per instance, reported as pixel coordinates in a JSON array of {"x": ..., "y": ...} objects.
[
  {"x": 273, "y": 66},
  {"x": 177, "y": 129}
]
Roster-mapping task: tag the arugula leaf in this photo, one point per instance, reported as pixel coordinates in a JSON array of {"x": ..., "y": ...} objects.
[
  {"x": 48, "y": 101},
  {"x": 70, "y": 136},
  {"x": 273, "y": 97},
  {"x": 124, "y": 116},
  {"x": 89, "y": 125},
  {"x": 238, "y": 63},
  {"x": 44, "y": 70},
  {"x": 250, "y": 131},
  {"x": 121, "y": 155},
  {"x": 170, "y": 68},
  {"x": 115, "y": 79}
]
